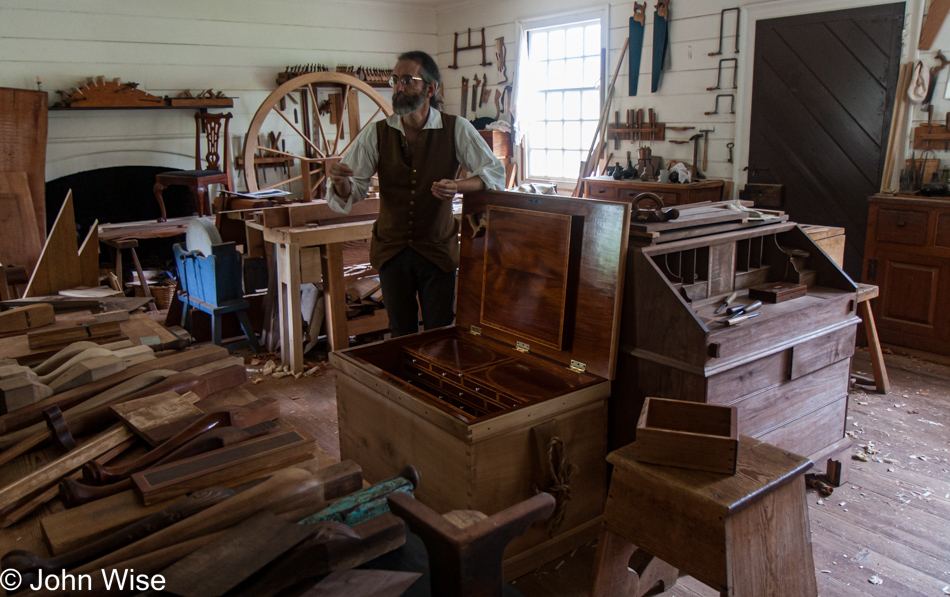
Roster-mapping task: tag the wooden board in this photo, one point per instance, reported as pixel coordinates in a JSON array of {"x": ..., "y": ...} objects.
[
  {"x": 89, "y": 257},
  {"x": 229, "y": 466},
  {"x": 23, "y": 127},
  {"x": 151, "y": 417},
  {"x": 58, "y": 265},
  {"x": 364, "y": 583},
  {"x": 20, "y": 242},
  {"x": 25, "y": 318},
  {"x": 64, "y": 335}
]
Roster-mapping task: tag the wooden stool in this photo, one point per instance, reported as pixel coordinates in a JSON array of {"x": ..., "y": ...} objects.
[
  {"x": 745, "y": 535},
  {"x": 117, "y": 245},
  {"x": 865, "y": 293}
]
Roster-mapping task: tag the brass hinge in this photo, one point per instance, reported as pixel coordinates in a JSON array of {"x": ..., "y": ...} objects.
[
  {"x": 475, "y": 330},
  {"x": 522, "y": 347},
  {"x": 578, "y": 367}
]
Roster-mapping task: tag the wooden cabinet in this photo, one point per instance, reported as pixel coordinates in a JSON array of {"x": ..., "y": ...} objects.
[
  {"x": 907, "y": 254},
  {"x": 786, "y": 370},
  {"x": 605, "y": 187},
  {"x": 485, "y": 407}
]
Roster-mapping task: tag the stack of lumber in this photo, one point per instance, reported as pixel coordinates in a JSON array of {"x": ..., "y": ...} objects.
[{"x": 167, "y": 463}]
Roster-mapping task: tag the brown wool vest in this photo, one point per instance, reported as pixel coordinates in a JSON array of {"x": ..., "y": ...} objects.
[{"x": 409, "y": 215}]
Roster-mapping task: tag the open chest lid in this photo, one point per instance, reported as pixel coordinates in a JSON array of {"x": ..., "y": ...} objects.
[{"x": 544, "y": 274}]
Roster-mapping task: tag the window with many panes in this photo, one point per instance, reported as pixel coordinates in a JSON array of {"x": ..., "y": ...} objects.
[{"x": 559, "y": 101}]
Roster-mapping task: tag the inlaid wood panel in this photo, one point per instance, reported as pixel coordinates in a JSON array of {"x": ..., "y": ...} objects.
[{"x": 527, "y": 273}]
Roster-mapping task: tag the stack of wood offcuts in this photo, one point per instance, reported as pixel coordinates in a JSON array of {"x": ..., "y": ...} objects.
[{"x": 121, "y": 455}]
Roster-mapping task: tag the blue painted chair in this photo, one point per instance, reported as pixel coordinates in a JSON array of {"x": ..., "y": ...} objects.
[{"x": 212, "y": 283}]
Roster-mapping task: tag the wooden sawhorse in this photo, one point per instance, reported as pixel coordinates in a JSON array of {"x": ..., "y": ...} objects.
[
  {"x": 289, "y": 244},
  {"x": 745, "y": 535},
  {"x": 865, "y": 293}
]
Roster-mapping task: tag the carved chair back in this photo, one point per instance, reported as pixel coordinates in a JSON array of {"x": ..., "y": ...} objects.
[{"x": 215, "y": 127}]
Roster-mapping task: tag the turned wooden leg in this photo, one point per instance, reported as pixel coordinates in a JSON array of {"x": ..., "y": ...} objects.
[
  {"x": 200, "y": 194},
  {"x": 158, "y": 189},
  {"x": 624, "y": 570}
]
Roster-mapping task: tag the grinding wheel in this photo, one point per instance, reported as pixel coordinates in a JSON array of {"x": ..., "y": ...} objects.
[{"x": 201, "y": 236}]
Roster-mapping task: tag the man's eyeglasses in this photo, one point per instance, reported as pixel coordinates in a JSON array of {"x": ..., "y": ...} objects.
[{"x": 406, "y": 80}]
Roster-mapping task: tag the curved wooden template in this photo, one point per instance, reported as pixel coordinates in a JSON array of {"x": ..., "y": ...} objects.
[{"x": 254, "y": 129}]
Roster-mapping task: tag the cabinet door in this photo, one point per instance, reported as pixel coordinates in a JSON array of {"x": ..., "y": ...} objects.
[{"x": 912, "y": 310}]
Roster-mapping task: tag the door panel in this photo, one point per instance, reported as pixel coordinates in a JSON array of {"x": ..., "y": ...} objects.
[
  {"x": 823, "y": 92},
  {"x": 908, "y": 311}
]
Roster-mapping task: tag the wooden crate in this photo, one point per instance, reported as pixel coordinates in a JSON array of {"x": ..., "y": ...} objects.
[{"x": 476, "y": 415}]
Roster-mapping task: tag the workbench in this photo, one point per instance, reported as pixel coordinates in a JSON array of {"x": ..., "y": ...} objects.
[
  {"x": 605, "y": 187},
  {"x": 304, "y": 253}
]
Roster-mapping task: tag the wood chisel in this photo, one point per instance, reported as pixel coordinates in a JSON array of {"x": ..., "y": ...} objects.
[
  {"x": 726, "y": 302},
  {"x": 744, "y": 308},
  {"x": 739, "y": 318}
]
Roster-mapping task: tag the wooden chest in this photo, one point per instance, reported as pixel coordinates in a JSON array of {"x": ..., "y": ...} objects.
[
  {"x": 907, "y": 254},
  {"x": 786, "y": 370},
  {"x": 483, "y": 408},
  {"x": 605, "y": 187}
]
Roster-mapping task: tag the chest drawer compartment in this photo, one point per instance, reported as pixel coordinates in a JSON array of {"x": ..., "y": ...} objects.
[{"x": 902, "y": 227}]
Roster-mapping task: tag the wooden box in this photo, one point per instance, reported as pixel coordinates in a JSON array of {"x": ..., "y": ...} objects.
[
  {"x": 777, "y": 292},
  {"x": 690, "y": 435},
  {"x": 483, "y": 407},
  {"x": 786, "y": 371}
]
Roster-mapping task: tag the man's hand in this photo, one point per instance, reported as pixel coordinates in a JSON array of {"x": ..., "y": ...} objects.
[
  {"x": 445, "y": 189},
  {"x": 340, "y": 175}
]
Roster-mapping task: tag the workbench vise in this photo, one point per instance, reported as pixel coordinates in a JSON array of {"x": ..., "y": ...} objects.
[{"x": 210, "y": 275}]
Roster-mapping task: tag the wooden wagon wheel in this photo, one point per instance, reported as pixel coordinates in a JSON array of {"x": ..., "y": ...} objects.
[{"x": 325, "y": 136}]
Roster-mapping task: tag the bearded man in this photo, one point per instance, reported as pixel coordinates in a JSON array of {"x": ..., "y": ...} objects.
[{"x": 417, "y": 153}]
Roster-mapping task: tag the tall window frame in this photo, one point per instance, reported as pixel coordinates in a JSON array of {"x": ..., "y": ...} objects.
[{"x": 561, "y": 91}]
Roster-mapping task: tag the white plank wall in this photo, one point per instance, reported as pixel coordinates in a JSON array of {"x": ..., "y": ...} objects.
[
  {"x": 239, "y": 47},
  {"x": 682, "y": 98},
  {"x": 168, "y": 46}
]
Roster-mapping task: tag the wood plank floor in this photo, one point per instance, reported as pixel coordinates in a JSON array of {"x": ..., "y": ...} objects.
[{"x": 891, "y": 522}]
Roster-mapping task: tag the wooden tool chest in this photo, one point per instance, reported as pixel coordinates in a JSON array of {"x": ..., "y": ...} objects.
[
  {"x": 515, "y": 394},
  {"x": 786, "y": 370},
  {"x": 605, "y": 187},
  {"x": 907, "y": 254}
]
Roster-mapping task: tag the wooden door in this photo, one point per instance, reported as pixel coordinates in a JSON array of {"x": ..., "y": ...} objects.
[
  {"x": 822, "y": 96},
  {"x": 911, "y": 309}
]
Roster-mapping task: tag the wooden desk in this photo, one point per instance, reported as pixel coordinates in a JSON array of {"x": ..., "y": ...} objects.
[
  {"x": 745, "y": 535},
  {"x": 605, "y": 187},
  {"x": 291, "y": 244}
]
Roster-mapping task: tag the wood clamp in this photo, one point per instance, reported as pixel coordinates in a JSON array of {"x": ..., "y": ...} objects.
[
  {"x": 635, "y": 129},
  {"x": 657, "y": 213},
  {"x": 735, "y": 67},
  {"x": 456, "y": 49},
  {"x": 732, "y": 104},
  {"x": 722, "y": 18}
]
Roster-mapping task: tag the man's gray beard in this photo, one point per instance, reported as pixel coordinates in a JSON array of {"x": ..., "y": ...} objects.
[{"x": 405, "y": 109}]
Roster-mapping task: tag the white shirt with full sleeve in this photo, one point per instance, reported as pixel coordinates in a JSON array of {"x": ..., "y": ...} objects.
[{"x": 471, "y": 150}]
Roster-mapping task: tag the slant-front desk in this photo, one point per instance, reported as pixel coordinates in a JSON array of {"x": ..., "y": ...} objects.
[
  {"x": 786, "y": 369},
  {"x": 513, "y": 398}
]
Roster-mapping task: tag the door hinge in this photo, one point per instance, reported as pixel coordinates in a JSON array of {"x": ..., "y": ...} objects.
[
  {"x": 522, "y": 347},
  {"x": 578, "y": 367},
  {"x": 872, "y": 270},
  {"x": 475, "y": 330}
]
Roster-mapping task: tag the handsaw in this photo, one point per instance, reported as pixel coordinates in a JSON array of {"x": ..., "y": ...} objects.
[
  {"x": 475, "y": 95},
  {"x": 661, "y": 39},
  {"x": 464, "y": 110},
  {"x": 637, "y": 25}
]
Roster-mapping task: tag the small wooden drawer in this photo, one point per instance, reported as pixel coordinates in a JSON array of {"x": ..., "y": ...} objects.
[
  {"x": 423, "y": 375},
  {"x": 901, "y": 226},
  {"x": 822, "y": 351},
  {"x": 597, "y": 191},
  {"x": 448, "y": 374}
]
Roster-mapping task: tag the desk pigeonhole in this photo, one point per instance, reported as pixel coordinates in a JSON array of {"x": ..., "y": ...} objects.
[{"x": 513, "y": 399}]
